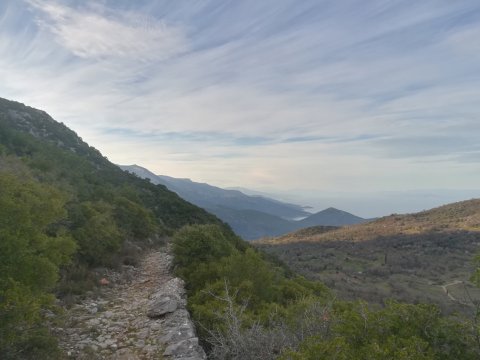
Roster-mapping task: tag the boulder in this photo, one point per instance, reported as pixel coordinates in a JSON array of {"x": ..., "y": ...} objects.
[{"x": 161, "y": 306}]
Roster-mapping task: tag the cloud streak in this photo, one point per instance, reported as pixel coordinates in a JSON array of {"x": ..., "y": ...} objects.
[
  {"x": 276, "y": 92},
  {"x": 100, "y": 33}
]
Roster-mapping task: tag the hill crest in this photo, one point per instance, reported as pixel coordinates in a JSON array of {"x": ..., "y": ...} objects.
[{"x": 463, "y": 215}]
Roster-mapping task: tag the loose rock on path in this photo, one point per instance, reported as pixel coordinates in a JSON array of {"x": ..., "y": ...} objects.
[{"x": 144, "y": 318}]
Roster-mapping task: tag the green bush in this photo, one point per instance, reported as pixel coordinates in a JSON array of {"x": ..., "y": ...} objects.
[
  {"x": 213, "y": 261},
  {"x": 96, "y": 233},
  {"x": 399, "y": 331},
  {"x": 33, "y": 246},
  {"x": 196, "y": 244},
  {"x": 243, "y": 303}
]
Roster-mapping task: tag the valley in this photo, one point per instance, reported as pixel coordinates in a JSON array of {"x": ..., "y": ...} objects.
[
  {"x": 418, "y": 258},
  {"x": 250, "y": 216}
]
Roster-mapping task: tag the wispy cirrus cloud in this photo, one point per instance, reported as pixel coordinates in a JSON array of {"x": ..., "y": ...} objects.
[{"x": 98, "y": 32}]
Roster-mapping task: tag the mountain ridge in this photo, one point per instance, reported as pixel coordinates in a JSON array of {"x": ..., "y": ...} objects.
[
  {"x": 209, "y": 195},
  {"x": 250, "y": 216},
  {"x": 462, "y": 215}
]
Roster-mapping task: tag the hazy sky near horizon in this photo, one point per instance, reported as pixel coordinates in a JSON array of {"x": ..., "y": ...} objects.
[{"x": 350, "y": 95}]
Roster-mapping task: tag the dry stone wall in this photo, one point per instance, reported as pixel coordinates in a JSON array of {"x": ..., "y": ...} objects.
[{"x": 140, "y": 314}]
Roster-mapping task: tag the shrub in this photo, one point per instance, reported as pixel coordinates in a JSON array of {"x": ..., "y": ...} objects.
[{"x": 32, "y": 248}]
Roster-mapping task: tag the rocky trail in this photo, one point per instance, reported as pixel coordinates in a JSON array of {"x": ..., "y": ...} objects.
[
  {"x": 140, "y": 314},
  {"x": 445, "y": 290}
]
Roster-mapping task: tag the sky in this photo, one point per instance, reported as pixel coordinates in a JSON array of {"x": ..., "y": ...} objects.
[{"x": 312, "y": 100}]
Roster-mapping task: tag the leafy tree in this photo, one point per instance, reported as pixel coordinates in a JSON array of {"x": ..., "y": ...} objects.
[
  {"x": 32, "y": 247},
  {"x": 134, "y": 220},
  {"x": 96, "y": 232},
  {"x": 399, "y": 331},
  {"x": 196, "y": 244}
]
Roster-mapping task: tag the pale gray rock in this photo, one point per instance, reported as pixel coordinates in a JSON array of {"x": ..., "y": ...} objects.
[
  {"x": 138, "y": 317},
  {"x": 162, "y": 306},
  {"x": 185, "y": 349},
  {"x": 93, "y": 322},
  {"x": 143, "y": 334},
  {"x": 183, "y": 332}
]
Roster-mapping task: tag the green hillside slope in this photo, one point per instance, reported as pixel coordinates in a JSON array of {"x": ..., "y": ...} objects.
[{"x": 66, "y": 209}]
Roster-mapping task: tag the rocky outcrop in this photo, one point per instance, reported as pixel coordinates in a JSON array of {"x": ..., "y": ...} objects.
[
  {"x": 169, "y": 298},
  {"x": 142, "y": 318}
]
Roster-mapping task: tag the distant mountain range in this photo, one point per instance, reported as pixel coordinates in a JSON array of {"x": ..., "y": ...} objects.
[{"x": 250, "y": 216}]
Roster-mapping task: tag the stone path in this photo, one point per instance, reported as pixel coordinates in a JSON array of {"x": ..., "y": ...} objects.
[
  {"x": 143, "y": 318},
  {"x": 445, "y": 289}
]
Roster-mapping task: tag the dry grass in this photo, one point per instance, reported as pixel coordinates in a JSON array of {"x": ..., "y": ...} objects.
[
  {"x": 406, "y": 257},
  {"x": 463, "y": 215}
]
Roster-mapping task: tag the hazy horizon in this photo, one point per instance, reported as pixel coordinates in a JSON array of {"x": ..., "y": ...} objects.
[
  {"x": 378, "y": 204},
  {"x": 363, "y": 204}
]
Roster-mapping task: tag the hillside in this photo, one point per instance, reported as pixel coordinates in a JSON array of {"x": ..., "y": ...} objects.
[
  {"x": 50, "y": 148},
  {"x": 413, "y": 258},
  {"x": 253, "y": 224},
  {"x": 251, "y": 217},
  {"x": 65, "y": 212}
]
